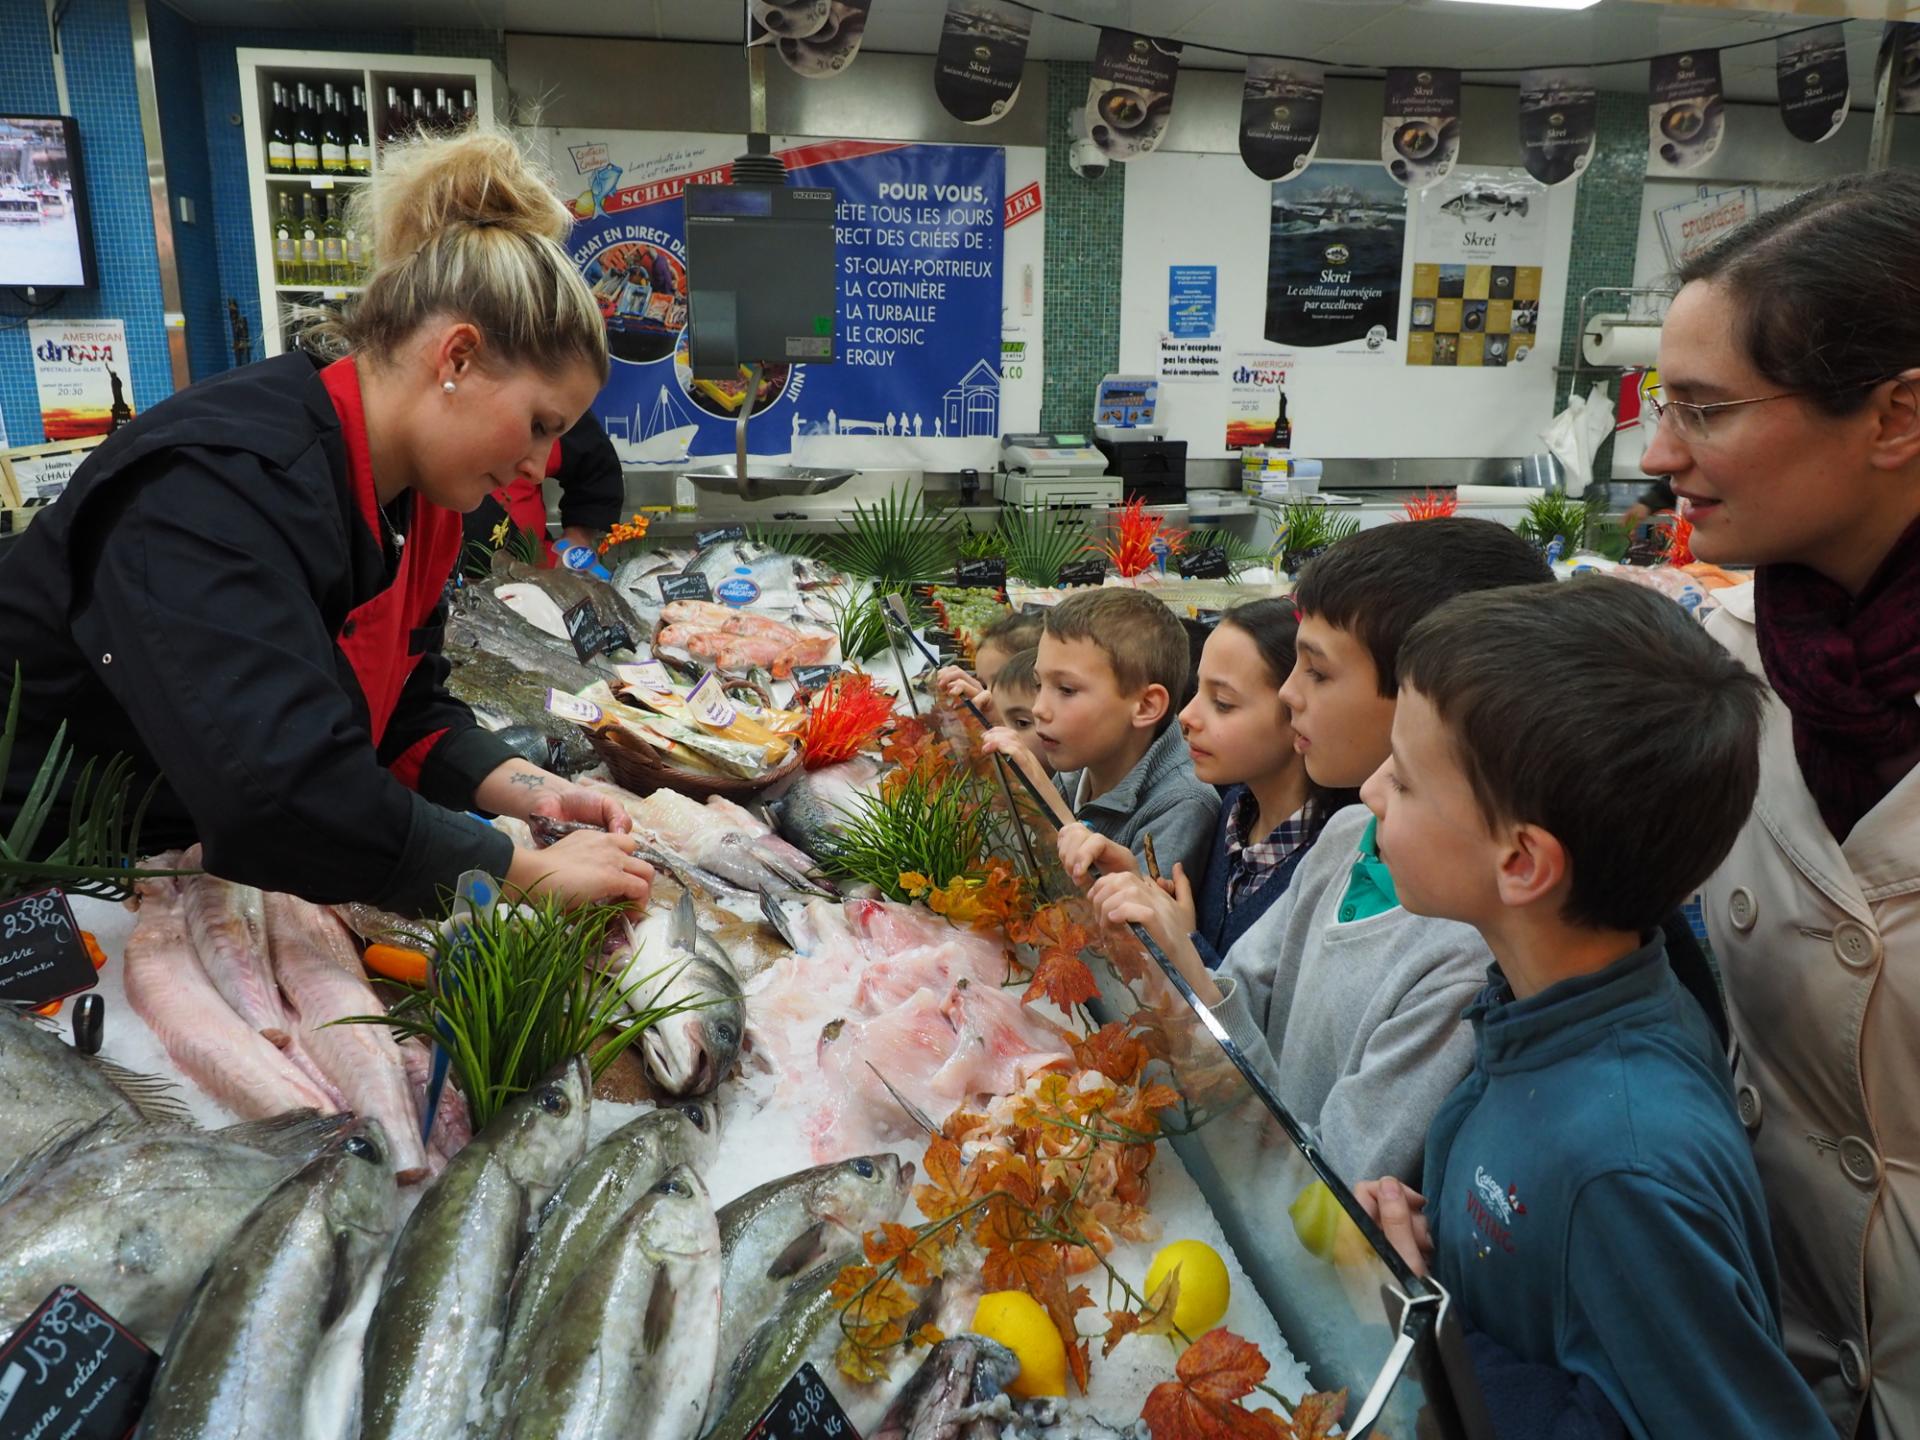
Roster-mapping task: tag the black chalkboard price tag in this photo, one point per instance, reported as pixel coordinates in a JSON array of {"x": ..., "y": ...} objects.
[
  {"x": 1084, "y": 572},
  {"x": 704, "y": 538},
  {"x": 73, "y": 1371},
  {"x": 804, "y": 1410},
  {"x": 989, "y": 572},
  {"x": 42, "y": 958},
  {"x": 685, "y": 587},
  {"x": 814, "y": 677},
  {"x": 590, "y": 637},
  {"x": 1207, "y": 564}
]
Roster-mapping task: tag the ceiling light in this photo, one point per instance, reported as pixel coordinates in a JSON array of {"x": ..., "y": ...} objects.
[{"x": 1535, "y": 4}]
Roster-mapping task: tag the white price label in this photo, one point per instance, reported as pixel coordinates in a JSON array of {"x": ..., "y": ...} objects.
[
  {"x": 709, "y": 705},
  {"x": 572, "y": 707},
  {"x": 648, "y": 675}
]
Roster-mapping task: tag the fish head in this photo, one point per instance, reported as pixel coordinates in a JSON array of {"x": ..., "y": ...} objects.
[
  {"x": 681, "y": 1217},
  {"x": 362, "y": 1196},
  {"x": 542, "y": 1133},
  {"x": 696, "y": 1130},
  {"x": 994, "y": 1367},
  {"x": 692, "y": 1051},
  {"x": 861, "y": 1193}
]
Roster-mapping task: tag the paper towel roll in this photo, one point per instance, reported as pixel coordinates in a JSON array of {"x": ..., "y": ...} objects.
[{"x": 1614, "y": 341}]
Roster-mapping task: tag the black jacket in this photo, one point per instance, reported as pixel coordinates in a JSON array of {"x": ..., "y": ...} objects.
[{"x": 180, "y": 603}]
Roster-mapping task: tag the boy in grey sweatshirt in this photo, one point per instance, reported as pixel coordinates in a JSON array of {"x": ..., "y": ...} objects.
[{"x": 1351, "y": 1005}]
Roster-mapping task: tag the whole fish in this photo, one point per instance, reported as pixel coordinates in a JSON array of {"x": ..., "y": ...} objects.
[
  {"x": 675, "y": 962},
  {"x": 784, "y": 1228},
  {"x": 512, "y": 701},
  {"x": 1004, "y": 1418},
  {"x": 237, "y": 1361},
  {"x": 478, "y": 620},
  {"x": 228, "y": 925},
  {"x": 724, "y": 841},
  {"x": 211, "y": 1046},
  {"x": 819, "y": 803},
  {"x": 46, "y": 1086},
  {"x": 318, "y": 965},
  {"x": 443, "y": 1305},
  {"x": 136, "y": 1222},
  {"x": 614, "y": 1177},
  {"x": 745, "y": 1388},
  {"x": 629, "y": 1354},
  {"x": 569, "y": 587},
  {"x": 959, "y": 1372}
]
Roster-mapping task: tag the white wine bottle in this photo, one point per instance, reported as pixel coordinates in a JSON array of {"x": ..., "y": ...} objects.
[
  {"x": 306, "y": 141},
  {"x": 312, "y": 267},
  {"x": 286, "y": 254},
  {"x": 333, "y": 242},
  {"x": 356, "y": 251},
  {"x": 333, "y": 139}
]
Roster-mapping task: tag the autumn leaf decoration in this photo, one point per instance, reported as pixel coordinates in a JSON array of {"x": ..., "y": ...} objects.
[
  {"x": 1202, "y": 1402},
  {"x": 1059, "y": 973},
  {"x": 988, "y": 901}
]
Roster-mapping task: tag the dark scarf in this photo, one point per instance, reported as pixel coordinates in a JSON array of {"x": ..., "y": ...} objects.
[{"x": 1847, "y": 672}]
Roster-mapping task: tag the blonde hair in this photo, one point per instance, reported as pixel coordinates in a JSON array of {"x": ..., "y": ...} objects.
[{"x": 467, "y": 226}]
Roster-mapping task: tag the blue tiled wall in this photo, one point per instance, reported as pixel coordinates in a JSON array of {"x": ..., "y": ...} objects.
[
  {"x": 176, "y": 79},
  {"x": 97, "y": 47}
]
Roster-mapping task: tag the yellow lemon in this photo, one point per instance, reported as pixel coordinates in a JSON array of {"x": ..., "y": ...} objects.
[
  {"x": 1204, "y": 1286},
  {"x": 1020, "y": 1323},
  {"x": 1324, "y": 1228}
]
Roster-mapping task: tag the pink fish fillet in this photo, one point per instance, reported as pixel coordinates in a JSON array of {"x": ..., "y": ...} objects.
[
  {"x": 908, "y": 1046},
  {"x": 229, "y": 930},
  {"x": 998, "y": 1042},
  {"x": 212, "y": 1046},
  {"x": 318, "y": 966},
  {"x": 889, "y": 982}
]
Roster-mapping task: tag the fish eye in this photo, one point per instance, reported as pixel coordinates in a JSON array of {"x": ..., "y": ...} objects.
[
  {"x": 554, "y": 1101},
  {"x": 361, "y": 1147},
  {"x": 865, "y": 1168},
  {"x": 724, "y": 1033},
  {"x": 673, "y": 1187},
  {"x": 696, "y": 1114}
]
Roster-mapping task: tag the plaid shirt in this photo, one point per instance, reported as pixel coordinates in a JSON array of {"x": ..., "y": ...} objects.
[{"x": 1249, "y": 865}]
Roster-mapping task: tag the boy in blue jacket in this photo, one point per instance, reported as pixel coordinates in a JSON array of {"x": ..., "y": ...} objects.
[{"x": 1569, "y": 763}]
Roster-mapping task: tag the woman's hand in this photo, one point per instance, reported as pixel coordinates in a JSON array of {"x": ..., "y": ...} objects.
[
  {"x": 1087, "y": 856},
  {"x": 522, "y": 789},
  {"x": 587, "y": 867}
]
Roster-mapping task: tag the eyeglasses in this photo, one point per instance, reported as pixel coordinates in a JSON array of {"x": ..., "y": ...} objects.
[{"x": 1690, "y": 420}]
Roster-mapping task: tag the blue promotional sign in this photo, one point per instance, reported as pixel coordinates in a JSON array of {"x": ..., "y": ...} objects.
[
  {"x": 918, "y": 315},
  {"x": 1193, "y": 293}
]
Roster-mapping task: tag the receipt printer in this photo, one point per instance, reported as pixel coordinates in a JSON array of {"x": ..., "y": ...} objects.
[{"x": 1155, "y": 470}]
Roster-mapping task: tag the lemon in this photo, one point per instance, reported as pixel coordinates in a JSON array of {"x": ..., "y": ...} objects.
[
  {"x": 1204, "y": 1286},
  {"x": 1325, "y": 1228},
  {"x": 1021, "y": 1323}
]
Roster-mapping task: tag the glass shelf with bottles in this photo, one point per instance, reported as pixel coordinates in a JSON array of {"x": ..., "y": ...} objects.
[
  {"x": 317, "y": 244},
  {"x": 316, "y": 126},
  {"x": 410, "y": 104}
]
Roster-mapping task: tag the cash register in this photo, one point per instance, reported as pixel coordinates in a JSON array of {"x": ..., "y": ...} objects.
[{"x": 1053, "y": 469}]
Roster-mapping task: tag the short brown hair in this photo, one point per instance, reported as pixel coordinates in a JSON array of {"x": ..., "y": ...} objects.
[
  {"x": 1017, "y": 676},
  {"x": 1602, "y": 712},
  {"x": 1012, "y": 633},
  {"x": 1141, "y": 638}
]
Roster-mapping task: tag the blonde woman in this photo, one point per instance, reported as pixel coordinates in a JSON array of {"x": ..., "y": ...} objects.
[{"x": 241, "y": 590}]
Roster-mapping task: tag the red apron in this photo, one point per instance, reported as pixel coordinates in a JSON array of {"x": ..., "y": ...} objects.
[
  {"x": 384, "y": 638},
  {"x": 526, "y": 505}
]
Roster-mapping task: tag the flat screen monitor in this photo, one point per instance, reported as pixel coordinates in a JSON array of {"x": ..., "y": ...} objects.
[{"x": 45, "y": 240}]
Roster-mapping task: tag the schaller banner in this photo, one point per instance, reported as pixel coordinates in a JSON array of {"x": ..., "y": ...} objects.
[
  {"x": 1558, "y": 113},
  {"x": 1420, "y": 133},
  {"x": 983, "y": 48},
  {"x": 1812, "y": 70},
  {"x": 1900, "y": 47},
  {"x": 1686, "y": 111},
  {"x": 816, "y": 38},
  {"x": 1280, "y": 116},
  {"x": 1130, "y": 97}
]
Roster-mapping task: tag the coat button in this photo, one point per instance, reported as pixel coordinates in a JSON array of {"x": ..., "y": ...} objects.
[
  {"x": 1741, "y": 910},
  {"x": 346, "y": 630},
  {"x": 1853, "y": 1366},
  {"x": 1749, "y": 1107},
  {"x": 1859, "y": 1161},
  {"x": 1856, "y": 945}
]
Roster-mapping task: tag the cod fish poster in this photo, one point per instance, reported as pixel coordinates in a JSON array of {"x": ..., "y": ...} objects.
[
  {"x": 1686, "y": 113},
  {"x": 1811, "y": 69},
  {"x": 917, "y": 337},
  {"x": 81, "y": 370},
  {"x": 1479, "y": 257},
  {"x": 1335, "y": 244}
]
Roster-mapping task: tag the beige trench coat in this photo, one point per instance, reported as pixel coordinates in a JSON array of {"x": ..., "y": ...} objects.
[{"x": 1819, "y": 944}]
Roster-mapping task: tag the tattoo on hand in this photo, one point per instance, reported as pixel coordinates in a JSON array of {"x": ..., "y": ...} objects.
[{"x": 531, "y": 782}]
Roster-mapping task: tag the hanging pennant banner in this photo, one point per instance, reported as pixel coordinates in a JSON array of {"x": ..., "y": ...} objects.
[
  {"x": 983, "y": 45},
  {"x": 1420, "y": 135},
  {"x": 1280, "y": 116},
  {"x": 1812, "y": 70},
  {"x": 1130, "y": 97},
  {"x": 1686, "y": 119},
  {"x": 1900, "y": 47},
  {"x": 831, "y": 48},
  {"x": 789, "y": 19},
  {"x": 1558, "y": 113}
]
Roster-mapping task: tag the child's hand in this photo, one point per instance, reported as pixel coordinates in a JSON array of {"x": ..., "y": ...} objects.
[
  {"x": 956, "y": 684},
  {"x": 1132, "y": 899},
  {"x": 1088, "y": 856},
  {"x": 1004, "y": 740},
  {"x": 1399, "y": 1212}
]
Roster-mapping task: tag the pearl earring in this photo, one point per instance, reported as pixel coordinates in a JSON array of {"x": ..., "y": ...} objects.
[{"x": 448, "y": 386}]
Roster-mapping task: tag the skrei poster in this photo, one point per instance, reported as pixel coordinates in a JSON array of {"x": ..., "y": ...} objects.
[
  {"x": 917, "y": 337},
  {"x": 1334, "y": 249}
]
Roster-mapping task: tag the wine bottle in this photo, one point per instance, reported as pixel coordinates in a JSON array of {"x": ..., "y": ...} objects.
[
  {"x": 286, "y": 254},
  {"x": 469, "y": 115},
  {"x": 422, "y": 116},
  {"x": 356, "y": 251},
  {"x": 357, "y": 152},
  {"x": 442, "y": 111},
  {"x": 333, "y": 242},
  {"x": 306, "y": 143},
  {"x": 396, "y": 115},
  {"x": 333, "y": 139},
  {"x": 312, "y": 268},
  {"x": 279, "y": 134}
]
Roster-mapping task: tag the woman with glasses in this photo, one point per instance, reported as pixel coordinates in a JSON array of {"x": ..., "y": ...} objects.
[{"x": 1789, "y": 425}]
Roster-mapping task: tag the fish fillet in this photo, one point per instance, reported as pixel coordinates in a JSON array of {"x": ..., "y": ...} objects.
[
  {"x": 229, "y": 930},
  {"x": 318, "y": 966},
  {"x": 212, "y": 1046}
]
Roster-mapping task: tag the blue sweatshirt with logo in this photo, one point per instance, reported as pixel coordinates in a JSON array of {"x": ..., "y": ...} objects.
[{"x": 1595, "y": 1208}]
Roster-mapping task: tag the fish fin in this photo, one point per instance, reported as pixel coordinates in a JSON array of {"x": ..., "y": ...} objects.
[
  {"x": 55, "y": 1148},
  {"x": 684, "y": 933},
  {"x": 806, "y": 1249},
  {"x": 660, "y": 1308},
  {"x": 914, "y": 1113},
  {"x": 801, "y": 884},
  {"x": 297, "y": 1133},
  {"x": 156, "y": 1100},
  {"x": 340, "y": 1286}
]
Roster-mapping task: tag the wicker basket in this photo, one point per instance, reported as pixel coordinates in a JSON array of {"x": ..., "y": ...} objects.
[{"x": 639, "y": 767}]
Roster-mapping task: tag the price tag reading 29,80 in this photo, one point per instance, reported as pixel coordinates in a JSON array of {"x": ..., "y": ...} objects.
[{"x": 804, "y": 1410}]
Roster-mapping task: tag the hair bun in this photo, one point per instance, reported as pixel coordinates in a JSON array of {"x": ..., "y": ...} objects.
[{"x": 480, "y": 178}]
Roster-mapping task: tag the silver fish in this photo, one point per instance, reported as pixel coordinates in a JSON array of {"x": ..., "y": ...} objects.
[
  {"x": 961, "y": 1371},
  {"x": 629, "y": 1353},
  {"x": 818, "y": 803},
  {"x": 614, "y": 1177},
  {"x": 746, "y": 1387},
  {"x": 136, "y": 1222},
  {"x": 569, "y": 587},
  {"x": 46, "y": 1086},
  {"x": 237, "y": 1361},
  {"x": 786, "y": 1227},
  {"x": 438, "y": 1324},
  {"x": 691, "y": 1052},
  {"x": 479, "y": 620}
]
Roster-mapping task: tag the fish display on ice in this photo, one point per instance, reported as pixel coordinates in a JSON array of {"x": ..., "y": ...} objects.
[
  {"x": 567, "y": 588},
  {"x": 740, "y": 639},
  {"x": 817, "y": 805},
  {"x": 719, "y": 840},
  {"x": 512, "y": 702},
  {"x": 674, "y": 962},
  {"x": 438, "y": 1324},
  {"x": 237, "y": 1360},
  {"x": 134, "y": 1222},
  {"x": 48, "y": 1087},
  {"x": 478, "y": 620},
  {"x": 772, "y": 1352},
  {"x": 960, "y": 1372}
]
